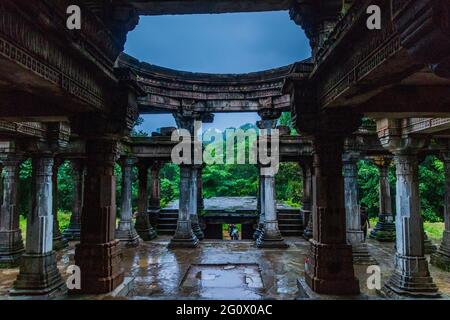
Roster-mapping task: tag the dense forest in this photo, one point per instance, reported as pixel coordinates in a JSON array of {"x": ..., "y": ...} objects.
[{"x": 242, "y": 180}]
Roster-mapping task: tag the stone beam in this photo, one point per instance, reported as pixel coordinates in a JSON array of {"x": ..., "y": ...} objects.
[{"x": 158, "y": 7}]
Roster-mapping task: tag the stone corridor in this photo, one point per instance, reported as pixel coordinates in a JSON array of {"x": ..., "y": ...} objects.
[{"x": 221, "y": 270}]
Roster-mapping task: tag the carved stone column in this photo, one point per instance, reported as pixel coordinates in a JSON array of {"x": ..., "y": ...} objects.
[
  {"x": 411, "y": 276},
  {"x": 355, "y": 235},
  {"x": 261, "y": 209},
  {"x": 193, "y": 210},
  {"x": 329, "y": 265},
  {"x": 98, "y": 253},
  {"x": 125, "y": 232},
  {"x": 38, "y": 274},
  {"x": 155, "y": 195},
  {"x": 307, "y": 199},
  {"x": 441, "y": 258},
  {"x": 72, "y": 232},
  {"x": 200, "y": 201},
  {"x": 11, "y": 243},
  {"x": 271, "y": 235},
  {"x": 184, "y": 236},
  {"x": 384, "y": 231},
  {"x": 143, "y": 226},
  {"x": 59, "y": 242}
]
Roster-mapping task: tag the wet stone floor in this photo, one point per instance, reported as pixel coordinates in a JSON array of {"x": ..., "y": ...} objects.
[{"x": 221, "y": 270}]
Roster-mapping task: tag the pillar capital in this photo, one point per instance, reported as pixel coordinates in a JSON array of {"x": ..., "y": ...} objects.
[{"x": 127, "y": 161}]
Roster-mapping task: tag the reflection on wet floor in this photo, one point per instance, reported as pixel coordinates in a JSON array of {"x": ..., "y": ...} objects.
[
  {"x": 222, "y": 270},
  {"x": 226, "y": 281}
]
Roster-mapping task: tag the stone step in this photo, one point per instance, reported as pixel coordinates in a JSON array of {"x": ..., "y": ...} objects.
[
  {"x": 297, "y": 227},
  {"x": 282, "y": 216},
  {"x": 166, "y": 232},
  {"x": 291, "y": 233},
  {"x": 290, "y": 221},
  {"x": 167, "y": 219},
  {"x": 167, "y": 226}
]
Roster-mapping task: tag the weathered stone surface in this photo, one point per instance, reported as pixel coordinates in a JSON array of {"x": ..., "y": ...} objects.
[
  {"x": 38, "y": 272},
  {"x": 72, "y": 232},
  {"x": 329, "y": 265},
  {"x": 125, "y": 231},
  {"x": 411, "y": 276},
  {"x": 184, "y": 236},
  {"x": 98, "y": 253},
  {"x": 11, "y": 243},
  {"x": 142, "y": 224},
  {"x": 385, "y": 228},
  {"x": 355, "y": 235}
]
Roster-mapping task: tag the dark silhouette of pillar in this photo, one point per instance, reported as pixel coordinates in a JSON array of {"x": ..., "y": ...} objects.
[
  {"x": 98, "y": 253},
  {"x": 385, "y": 228}
]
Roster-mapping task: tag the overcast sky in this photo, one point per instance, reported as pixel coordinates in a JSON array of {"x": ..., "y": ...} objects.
[{"x": 224, "y": 43}]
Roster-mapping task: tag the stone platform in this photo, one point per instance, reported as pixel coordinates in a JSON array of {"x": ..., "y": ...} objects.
[{"x": 221, "y": 270}]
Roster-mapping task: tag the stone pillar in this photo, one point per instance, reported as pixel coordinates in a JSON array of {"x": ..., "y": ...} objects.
[
  {"x": 143, "y": 226},
  {"x": 193, "y": 202},
  {"x": 355, "y": 235},
  {"x": 125, "y": 232},
  {"x": 59, "y": 242},
  {"x": 98, "y": 253},
  {"x": 271, "y": 235},
  {"x": 411, "y": 276},
  {"x": 184, "y": 236},
  {"x": 261, "y": 209},
  {"x": 200, "y": 202},
  {"x": 38, "y": 274},
  {"x": 441, "y": 258},
  {"x": 307, "y": 199},
  {"x": 329, "y": 265},
  {"x": 155, "y": 195},
  {"x": 384, "y": 231},
  {"x": 11, "y": 243},
  {"x": 72, "y": 232}
]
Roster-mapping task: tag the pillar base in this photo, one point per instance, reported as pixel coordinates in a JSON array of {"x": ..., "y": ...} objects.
[
  {"x": 183, "y": 243},
  {"x": 60, "y": 243},
  {"x": 412, "y": 280},
  {"x": 361, "y": 255},
  {"x": 271, "y": 239},
  {"x": 305, "y": 293},
  {"x": 153, "y": 216},
  {"x": 384, "y": 230},
  {"x": 38, "y": 275},
  {"x": 146, "y": 234},
  {"x": 197, "y": 231},
  {"x": 129, "y": 238},
  {"x": 72, "y": 232},
  {"x": 100, "y": 266},
  {"x": 441, "y": 258},
  {"x": 11, "y": 248},
  {"x": 429, "y": 247},
  {"x": 329, "y": 269}
]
